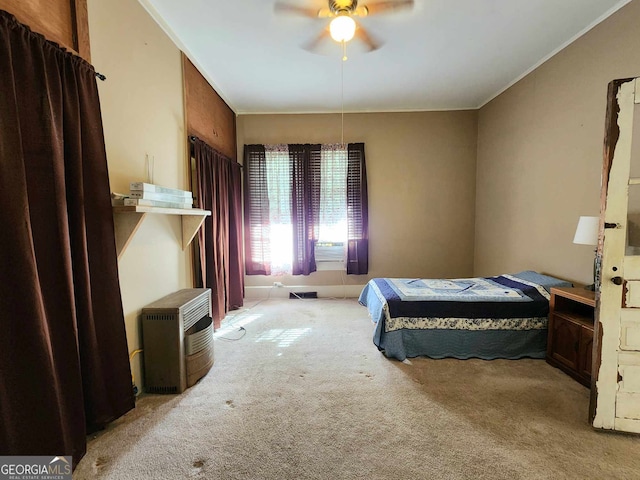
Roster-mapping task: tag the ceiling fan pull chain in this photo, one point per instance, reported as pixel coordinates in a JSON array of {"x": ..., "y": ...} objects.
[
  {"x": 342, "y": 95},
  {"x": 344, "y": 51}
]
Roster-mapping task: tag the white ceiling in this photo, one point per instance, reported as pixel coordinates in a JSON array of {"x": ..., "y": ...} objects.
[{"x": 441, "y": 55}]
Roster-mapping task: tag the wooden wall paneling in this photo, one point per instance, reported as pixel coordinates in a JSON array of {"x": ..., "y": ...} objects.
[
  {"x": 81, "y": 20},
  {"x": 208, "y": 116},
  {"x": 65, "y": 22}
]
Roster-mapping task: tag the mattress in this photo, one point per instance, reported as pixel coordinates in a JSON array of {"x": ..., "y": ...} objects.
[{"x": 486, "y": 317}]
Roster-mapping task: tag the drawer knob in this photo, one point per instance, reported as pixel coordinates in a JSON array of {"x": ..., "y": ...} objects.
[{"x": 617, "y": 280}]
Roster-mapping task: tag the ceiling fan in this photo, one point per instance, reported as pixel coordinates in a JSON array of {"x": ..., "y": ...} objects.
[{"x": 343, "y": 27}]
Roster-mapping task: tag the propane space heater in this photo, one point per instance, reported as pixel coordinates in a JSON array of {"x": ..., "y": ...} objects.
[{"x": 177, "y": 333}]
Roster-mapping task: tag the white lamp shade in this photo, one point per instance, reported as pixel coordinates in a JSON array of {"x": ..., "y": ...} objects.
[
  {"x": 342, "y": 28},
  {"x": 587, "y": 231}
]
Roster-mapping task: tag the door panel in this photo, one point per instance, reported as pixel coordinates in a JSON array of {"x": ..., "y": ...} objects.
[
  {"x": 627, "y": 425},
  {"x": 628, "y": 406},
  {"x": 632, "y": 267},
  {"x": 616, "y": 399},
  {"x": 630, "y": 379},
  {"x": 628, "y": 397},
  {"x": 630, "y": 329},
  {"x": 629, "y": 372},
  {"x": 632, "y": 297}
]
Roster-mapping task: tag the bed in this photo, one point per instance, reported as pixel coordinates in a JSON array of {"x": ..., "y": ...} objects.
[{"x": 491, "y": 317}]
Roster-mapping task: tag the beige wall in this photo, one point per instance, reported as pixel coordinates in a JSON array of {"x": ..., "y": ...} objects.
[
  {"x": 142, "y": 111},
  {"x": 540, "y": 154},
  {"x": 421, "y": 176}
]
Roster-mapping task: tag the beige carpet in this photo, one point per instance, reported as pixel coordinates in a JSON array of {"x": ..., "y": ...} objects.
[{"x": 306, "y": 395}]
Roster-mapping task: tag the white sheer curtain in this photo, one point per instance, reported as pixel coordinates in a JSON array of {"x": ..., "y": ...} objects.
[
  {"x": 279, "y": 188},
  {"x": 333, "y": 196}
]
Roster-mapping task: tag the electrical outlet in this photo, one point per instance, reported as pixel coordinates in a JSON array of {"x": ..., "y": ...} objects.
[{"x": 278, "y": 284}]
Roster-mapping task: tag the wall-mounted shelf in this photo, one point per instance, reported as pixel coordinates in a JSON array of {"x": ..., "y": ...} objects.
[{"x": 127, "y": 220}]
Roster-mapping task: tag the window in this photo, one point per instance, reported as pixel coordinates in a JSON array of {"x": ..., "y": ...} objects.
[
  {"x": 280, "y": 246},
  {"x": 305, "y": 204},
  {"x": 332, "y": 227}
]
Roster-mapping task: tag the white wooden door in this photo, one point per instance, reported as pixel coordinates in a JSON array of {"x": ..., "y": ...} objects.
[{"x": 615, "y": 393}]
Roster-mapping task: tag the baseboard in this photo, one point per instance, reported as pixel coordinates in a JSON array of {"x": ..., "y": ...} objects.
[{"x": 324, "y": 291}]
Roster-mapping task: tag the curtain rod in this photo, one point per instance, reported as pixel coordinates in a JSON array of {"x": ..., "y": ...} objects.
[
  {"x": 193, "y": 138},
  {"x": 101, "y": 76}
]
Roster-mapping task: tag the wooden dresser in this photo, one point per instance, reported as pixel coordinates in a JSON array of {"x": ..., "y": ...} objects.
[{"x": 570, "y": 340}]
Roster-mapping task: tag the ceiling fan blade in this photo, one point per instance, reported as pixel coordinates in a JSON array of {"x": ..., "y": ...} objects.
[
  {"x": 325, "y": 12},
  {"x": 383, "y": 7},
  {"x": 281, "y": 7},
  {"x": 313, "y": 44},
  {"x": 363, "y": 35}
]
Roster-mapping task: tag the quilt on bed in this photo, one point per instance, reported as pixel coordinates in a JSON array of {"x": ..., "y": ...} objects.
[{"x": 492, "y": 317}]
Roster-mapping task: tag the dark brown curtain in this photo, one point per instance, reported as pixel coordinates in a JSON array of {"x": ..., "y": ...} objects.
[
  {"x": 235, "y": 291},
  {"x": 64, "y": 367},
  {"x": 304, "y": 161},
  {"x": 256, "y": 212},
  {"x": 219, "y": 190},
  {"x": 357, "y": 212}
]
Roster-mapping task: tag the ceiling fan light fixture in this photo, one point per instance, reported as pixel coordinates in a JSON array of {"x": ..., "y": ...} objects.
[{"x": 342, "y": 28}]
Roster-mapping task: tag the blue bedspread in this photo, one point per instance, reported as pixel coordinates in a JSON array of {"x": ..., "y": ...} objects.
[{"x": 491, "y": 317}]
